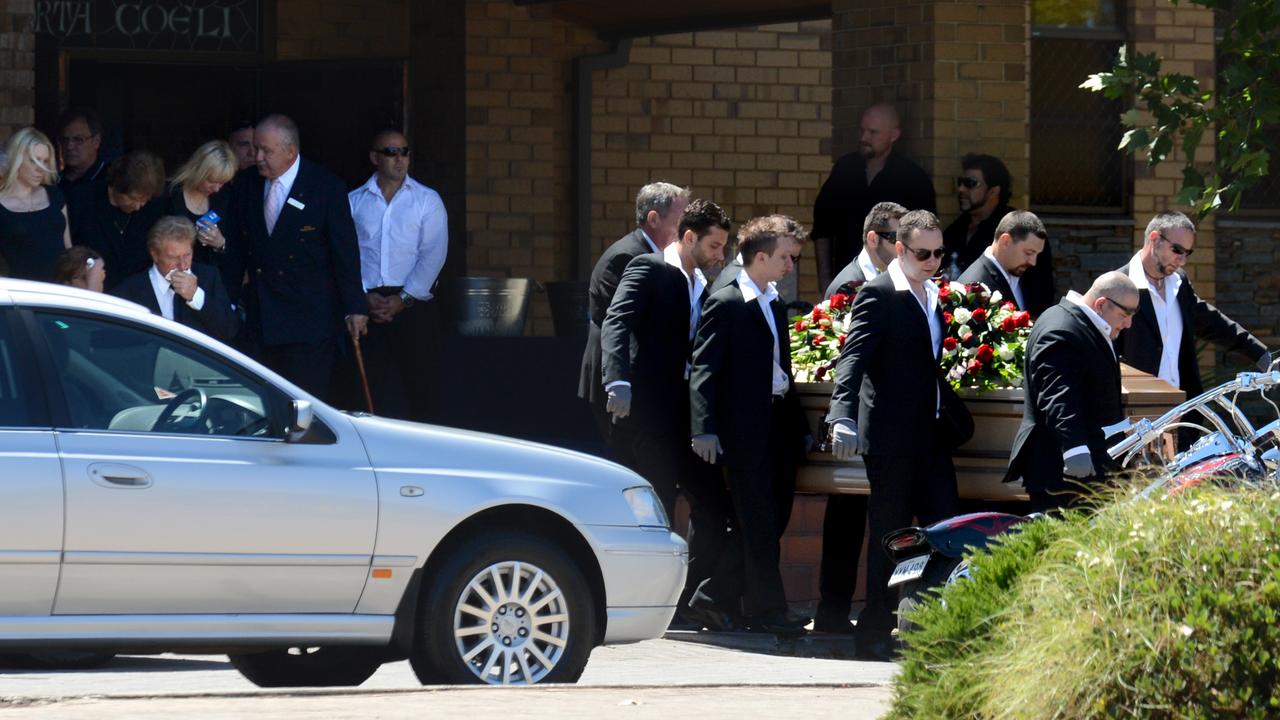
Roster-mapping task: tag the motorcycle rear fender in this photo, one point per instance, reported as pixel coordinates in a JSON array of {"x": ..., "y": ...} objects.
[{"x": 953, "y": 536}]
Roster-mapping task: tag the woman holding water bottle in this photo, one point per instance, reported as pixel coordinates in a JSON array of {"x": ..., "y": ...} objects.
[{"x": 194, "y": 194}]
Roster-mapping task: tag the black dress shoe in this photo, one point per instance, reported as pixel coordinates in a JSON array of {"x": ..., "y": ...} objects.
[
  {"x": 779, "y": 622},
  {"x": 836, "y": 623},
  {"x": 707, "y": 615}
]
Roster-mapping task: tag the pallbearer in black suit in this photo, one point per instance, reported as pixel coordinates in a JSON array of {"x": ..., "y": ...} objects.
[
  {"x": 292, "y": 231},
  {"x": 1171, "y": 316},
  {"x": 1072, "y": 383},
  {"x": 659, "y": 207},
  {"x": 887, "y": 407},
  {"x": 746, "y": 415},
  {"x": 845, "y": 521},
  {"x": 174, "y": 287},
  {"x": 783, "y": 224},
  {"x": 1020, "y": 239},
  {"x": 646, "y": 342}
]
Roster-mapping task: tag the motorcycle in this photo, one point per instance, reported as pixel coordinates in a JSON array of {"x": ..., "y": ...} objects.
[{"x": 1229, "y": 450}]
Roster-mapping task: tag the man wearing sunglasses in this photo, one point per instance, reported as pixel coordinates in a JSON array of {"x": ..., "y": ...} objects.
[
  {"x": 403, "y": 232},
  {"x": 1171, "y": 317},
  {"x": 880, "y": 236},
  {"x": 1072, "y": 386},
  {"x": 887, "y": 378}
]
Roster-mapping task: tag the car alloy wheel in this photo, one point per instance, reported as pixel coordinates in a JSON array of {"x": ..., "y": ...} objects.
[{"x": 511, "y": 624}]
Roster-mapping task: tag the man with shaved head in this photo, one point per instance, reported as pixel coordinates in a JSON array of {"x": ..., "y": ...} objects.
[
  {"x": 291, "y": 230},
  {"x": 859, "y": 180},
  {"x": 1072, "y": 381}
]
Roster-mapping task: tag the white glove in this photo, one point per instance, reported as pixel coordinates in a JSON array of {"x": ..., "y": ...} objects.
[
  {"x": 846, "y": 441},
  {"x": 707, "y": 447},
  {"x": 1078, "y": 466},
  {"x": 619, "y": 403}
]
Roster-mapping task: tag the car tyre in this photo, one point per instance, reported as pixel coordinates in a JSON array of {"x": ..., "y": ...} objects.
[
  {"x": 941, "y": 571},
  {"x": 511, "y": 608},
  {"x": 309, "y": 667}
]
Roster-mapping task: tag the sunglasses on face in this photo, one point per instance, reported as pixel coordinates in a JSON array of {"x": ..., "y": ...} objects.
[
  {"x": 922, "y": 255},
  {"x": 1128, "y": 312},
  {"x": 967, "y": 182},
  {"x": 886, "y": 234},
  {"x": 391, "y": 151},
  {"x": 1178, "y": 249}
]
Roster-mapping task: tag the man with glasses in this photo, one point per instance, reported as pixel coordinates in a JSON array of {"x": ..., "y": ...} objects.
[
  {"x": 1072, "y": 385},
  {"x": 887, "y": 407},
  {"x": 79, "y": 141},
  {"x": 1020, "y": 241},
  {"x": 403, "y": 232},
  {"x": 1171, "y": 316},
  {"x": 983, "y": 190},
  {"x": 880, "y": 234}
]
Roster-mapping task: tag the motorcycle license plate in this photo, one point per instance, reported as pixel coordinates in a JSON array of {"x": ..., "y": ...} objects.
[{"x": 908, "y": 570}]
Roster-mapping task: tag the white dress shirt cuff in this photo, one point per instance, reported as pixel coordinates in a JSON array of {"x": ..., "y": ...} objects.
[
  {"x": 616, "y": 383},
  {"x": 197, "y": 301},
  {"x": 1077, "y": 450}
]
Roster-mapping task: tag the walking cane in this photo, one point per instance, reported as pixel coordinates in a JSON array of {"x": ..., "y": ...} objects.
[{"x": 364, "y": 378}]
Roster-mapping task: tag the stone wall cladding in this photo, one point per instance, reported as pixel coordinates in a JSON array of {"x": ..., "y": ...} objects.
[{"x": 17, "y": 66}]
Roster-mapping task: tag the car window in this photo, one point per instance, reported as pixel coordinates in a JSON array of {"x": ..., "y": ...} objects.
[
  {"x": 129, "y": 378},
  {"x": 15, "y": 408}
]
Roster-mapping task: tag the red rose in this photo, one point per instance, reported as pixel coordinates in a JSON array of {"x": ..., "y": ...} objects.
[
  {"x": 841, "y": 340},
  {"x": 1009, "y": 306},
  {"x": 985, "y": 353},
  {"x": 800, "y": 326},
  {"x": 980, "y": 315},
  {"x": 839, "y": 300},
  {"x": 818, "y": 314},
  {"x": 944, "y": 293},
  {"x": 820, "y": 373},
  {"x": 1009, "y": 324},
  {"x": 1023, "y": 319},
  {"x": 974, "y": 367},
  {"x": 818, "y": 340},
  {"x": 949, "y": 343},
  {"x": 947, "y": 316}
]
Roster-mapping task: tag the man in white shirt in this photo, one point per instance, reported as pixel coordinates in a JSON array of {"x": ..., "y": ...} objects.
[
  {"x": 880, "y": 234},
  {"x": 403, "y": 233},
  {"x": 1171, "y": 317},
  {"x": 1020, "y": 240}
]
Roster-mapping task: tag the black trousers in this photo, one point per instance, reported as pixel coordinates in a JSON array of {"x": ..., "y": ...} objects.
[
  {"x": 763, "y": 492},
  {"x": 307, "y": 365},
  {"x": 843, "y": 527},
  {"x": 400, "y": 358},
  {"x": 919, "y": 486}
]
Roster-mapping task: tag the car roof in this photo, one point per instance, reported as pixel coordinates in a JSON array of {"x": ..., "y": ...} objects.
[{"x": 30, "y": 292}]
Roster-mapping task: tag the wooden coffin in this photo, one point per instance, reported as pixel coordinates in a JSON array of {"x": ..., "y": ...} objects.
[{"x": 980, "y": 463}]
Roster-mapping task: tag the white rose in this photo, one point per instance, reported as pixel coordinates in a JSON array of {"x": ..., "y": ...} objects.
[
  {"x": 962, "y": 316},
  {"x": 958, "y": 288},
  {"x": 996, "y": 297},
  {"x": 1005, "y": 352}
]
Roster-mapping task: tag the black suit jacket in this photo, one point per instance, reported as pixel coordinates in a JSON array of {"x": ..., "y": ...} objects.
[
  {"x": 1072, "y": 384},
  {"x": 604, "y": 283},
  {"x": 1141, "y": 345},
  {"x": 727, "y": 277},
  {"x": 1039, "y": 288},
  {"x": 884, "y": 371},
  {"x": 731, "y": 385},
  {"x": 645, "y": 341},
  {"x": 984, "y": 270},
  {"x": 120, "y": 238},
  {"x": 852, "y": 273},
  {"x": 215, "y": 319},
  {"x": 304, "y": 277}
]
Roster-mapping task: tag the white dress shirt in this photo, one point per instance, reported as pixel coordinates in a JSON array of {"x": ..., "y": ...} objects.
[
  {"x": 751, "y": 291},
  {"x": 165, "y": 294},
  {"x": 1013, "y": 281},
  {"x": 1168, "y": 318},
  {"x": 869, "y": 271},
  {"x": 929, "y": 306},
  {"x": 1104, "y": 328},
  {"x": 403, "y": 243},
  {"x": 653, "y": 247}
]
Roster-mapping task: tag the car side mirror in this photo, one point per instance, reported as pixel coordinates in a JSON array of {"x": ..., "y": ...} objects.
[{"x": 300, "y": 416}]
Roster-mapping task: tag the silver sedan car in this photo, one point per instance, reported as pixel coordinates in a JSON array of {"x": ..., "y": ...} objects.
[{"x": 160, "y": 491}]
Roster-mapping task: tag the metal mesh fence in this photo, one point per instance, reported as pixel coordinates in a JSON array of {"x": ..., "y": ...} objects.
[{"x": 1075, "y": 161}]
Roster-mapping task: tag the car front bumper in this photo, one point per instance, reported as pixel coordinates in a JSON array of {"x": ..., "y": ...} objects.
[{"x": 644, "y": 571}]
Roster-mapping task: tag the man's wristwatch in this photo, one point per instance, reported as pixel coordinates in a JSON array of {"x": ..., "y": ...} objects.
[{"x": 407, "y": 299}]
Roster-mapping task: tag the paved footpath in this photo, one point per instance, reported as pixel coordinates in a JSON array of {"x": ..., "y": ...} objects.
[{"x": 655, "y": 679}]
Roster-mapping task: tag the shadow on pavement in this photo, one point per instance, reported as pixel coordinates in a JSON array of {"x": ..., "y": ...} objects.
[{"x": 122, "y": 663}]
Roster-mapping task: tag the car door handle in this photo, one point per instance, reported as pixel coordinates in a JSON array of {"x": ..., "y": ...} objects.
[{"x": 115, "y": 476}]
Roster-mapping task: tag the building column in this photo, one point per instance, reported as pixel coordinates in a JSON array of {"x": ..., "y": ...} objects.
[
  {"x": 17, "y": 66},
  {"x": 955, "y": 69}
]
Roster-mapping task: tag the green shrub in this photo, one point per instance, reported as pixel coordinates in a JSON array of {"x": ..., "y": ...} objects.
[{"x": 1160, "y": 608}]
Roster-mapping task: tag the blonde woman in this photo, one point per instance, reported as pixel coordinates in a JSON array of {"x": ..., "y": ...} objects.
[
  {"x": 194, "y": 192},
  {"x": 33, "y": 212}
]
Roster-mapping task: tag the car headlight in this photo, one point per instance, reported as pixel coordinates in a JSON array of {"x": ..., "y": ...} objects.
[{"x": 646, "y": 507}]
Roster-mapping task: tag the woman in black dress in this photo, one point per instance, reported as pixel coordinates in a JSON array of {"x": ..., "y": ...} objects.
[
  {"x": 33, "y": 214},
  {"x": 194, "y": 191},
  {"x": 116, "y": 219}
]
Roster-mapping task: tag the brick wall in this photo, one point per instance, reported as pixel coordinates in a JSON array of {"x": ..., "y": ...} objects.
[
  {"x": 1248, "y": 278},
  {"x": 743, "y": 116},
  {"x": 17, "y": 67},
  {"x": 315, "y": 29}
]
